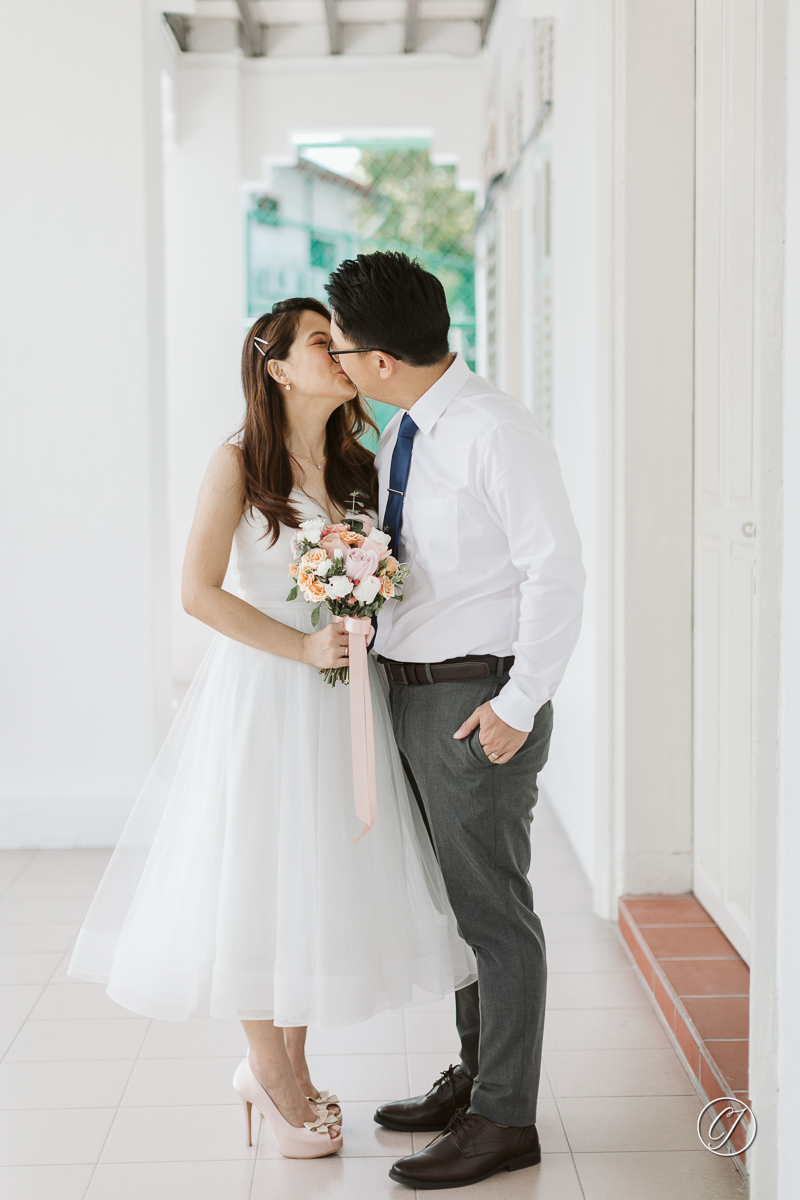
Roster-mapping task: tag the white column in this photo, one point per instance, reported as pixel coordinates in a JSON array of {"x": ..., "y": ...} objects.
[
  {"x": 570, "y": 776},
  {"x": 787, "y": 847},
  {"x": 84, "y": 693},
  {"x": 204, "y": 232},
  {"x": 774, "y": 977},
  {"x": 646, "y": 239}
]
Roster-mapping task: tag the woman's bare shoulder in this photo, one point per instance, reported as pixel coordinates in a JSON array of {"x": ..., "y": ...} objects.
[
  {"x": 224, "y": 474},
  {"x": 226, "y": 464}
]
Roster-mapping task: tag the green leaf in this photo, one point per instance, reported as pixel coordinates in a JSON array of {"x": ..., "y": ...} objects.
[
  {"x": 293, "y": 593},
  {"x": 315, "y": 617}
]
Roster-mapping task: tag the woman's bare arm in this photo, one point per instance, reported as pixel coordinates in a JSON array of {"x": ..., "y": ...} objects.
[{"x": 219, "y": 509}]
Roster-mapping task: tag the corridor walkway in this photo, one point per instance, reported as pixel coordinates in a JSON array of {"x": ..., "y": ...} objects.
[{"x": 98, "y": 1103}]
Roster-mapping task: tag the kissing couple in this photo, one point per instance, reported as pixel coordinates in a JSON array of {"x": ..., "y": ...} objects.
[{"x": 237, "y": 889}]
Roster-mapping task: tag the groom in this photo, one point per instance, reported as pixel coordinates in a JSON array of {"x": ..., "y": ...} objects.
[{"x": 471, "y": 493}]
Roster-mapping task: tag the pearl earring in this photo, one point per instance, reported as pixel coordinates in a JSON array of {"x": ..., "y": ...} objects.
[{"x": 288, "y": 387}]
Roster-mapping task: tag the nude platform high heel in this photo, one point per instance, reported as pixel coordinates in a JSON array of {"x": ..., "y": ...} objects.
[{"x": 312, "y": 1141}]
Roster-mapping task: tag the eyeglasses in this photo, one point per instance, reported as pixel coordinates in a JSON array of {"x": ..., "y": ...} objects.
[{"x": 335, "y": 354}]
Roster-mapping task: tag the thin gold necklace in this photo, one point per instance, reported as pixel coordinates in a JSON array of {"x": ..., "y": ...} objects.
[{"x": 318, "y": 465}]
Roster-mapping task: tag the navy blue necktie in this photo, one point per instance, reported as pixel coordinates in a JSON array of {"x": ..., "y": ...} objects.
[{"x": 398, "y": 478}]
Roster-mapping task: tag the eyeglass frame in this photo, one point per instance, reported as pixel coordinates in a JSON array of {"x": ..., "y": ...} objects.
[{"x": 335, "y": 354}]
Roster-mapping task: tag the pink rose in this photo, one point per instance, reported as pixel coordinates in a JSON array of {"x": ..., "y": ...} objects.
[
  {"x": 383, "y": 552},
  {"x": 367, "y": 525},
  {"x": 360, "y": 563},
  {"x": 331, "y": 543}
]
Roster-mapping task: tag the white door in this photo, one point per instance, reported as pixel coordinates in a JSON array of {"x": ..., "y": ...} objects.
[{"x": 725, "y": 518}]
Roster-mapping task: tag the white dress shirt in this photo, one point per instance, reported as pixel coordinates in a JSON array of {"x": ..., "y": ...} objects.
[{"x": 487, "y": 530}]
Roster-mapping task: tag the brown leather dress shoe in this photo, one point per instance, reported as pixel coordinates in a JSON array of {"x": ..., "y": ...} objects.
[
  {"x": 469, "y": 1150},
  {"x": 431, "y": 1112}
]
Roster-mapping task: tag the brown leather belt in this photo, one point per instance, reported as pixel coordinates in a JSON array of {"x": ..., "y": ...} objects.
[{"x": 453, "y": 670}]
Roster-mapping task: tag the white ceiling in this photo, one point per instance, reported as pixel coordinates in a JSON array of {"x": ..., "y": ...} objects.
[{"x": 275, "y": 28}]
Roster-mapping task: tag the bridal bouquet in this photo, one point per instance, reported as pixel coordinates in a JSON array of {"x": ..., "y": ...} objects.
[{"x": 349, "y": 568}]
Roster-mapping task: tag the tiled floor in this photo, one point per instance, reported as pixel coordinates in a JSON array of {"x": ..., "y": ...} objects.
[
  {"x": 97, "y": 1103},
  {"x": 700, "y": 984}
]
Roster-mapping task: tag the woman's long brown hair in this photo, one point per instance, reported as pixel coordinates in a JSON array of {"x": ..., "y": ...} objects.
[{"x": 266, "y": 462}]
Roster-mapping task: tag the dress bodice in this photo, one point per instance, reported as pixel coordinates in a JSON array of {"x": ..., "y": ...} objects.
[{"x": 264, "y": 569}]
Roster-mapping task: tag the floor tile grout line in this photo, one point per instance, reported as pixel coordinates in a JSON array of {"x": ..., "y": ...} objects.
[
  {"x": 11, "y": 882},
  {"x": 564, "y": 1128},
  {"x": 714, "y": 996},
  {"x": 24, "y": 1022},
  {"x": 43, "y": 988},
  {"x": 670, "y": 958},
  {"x": 117, "y": 1108},
  {"x": 255, "y": 1158}
]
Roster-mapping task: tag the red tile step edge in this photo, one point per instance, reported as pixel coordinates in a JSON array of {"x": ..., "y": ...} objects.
[{"x": 699, "y": 984}]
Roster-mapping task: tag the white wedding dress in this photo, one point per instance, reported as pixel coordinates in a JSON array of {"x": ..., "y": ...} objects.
[{"x": 236, "y": 888}]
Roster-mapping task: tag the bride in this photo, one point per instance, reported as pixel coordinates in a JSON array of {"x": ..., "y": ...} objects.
[{"x": 236, "y": 888}]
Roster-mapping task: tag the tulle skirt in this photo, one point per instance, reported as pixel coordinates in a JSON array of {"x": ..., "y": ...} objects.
[{"x": 236, "y": 888}]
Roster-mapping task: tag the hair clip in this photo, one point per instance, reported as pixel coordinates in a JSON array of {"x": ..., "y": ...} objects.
[{"x": 258, "y": 348}]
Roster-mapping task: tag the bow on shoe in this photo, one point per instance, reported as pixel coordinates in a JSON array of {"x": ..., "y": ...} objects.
[
  {"x": 323, "y": 1121},
  {"x": 325, "y": 1101}
]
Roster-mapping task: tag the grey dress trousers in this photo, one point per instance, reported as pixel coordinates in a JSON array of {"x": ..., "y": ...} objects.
[{"x": 479, "y": 818}]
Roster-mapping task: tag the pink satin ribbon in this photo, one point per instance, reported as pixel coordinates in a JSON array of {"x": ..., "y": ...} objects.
[{"x": 363, "y": 735}]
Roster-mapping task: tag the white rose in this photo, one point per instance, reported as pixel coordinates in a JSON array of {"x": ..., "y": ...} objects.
[
  {"x": 323, "y": 568},
  {"x": 379, "y": 537},
  {"x": 339, "y": 587},
  {"x": 366, "y": 591},
  {"x": 313, "y": 529}
]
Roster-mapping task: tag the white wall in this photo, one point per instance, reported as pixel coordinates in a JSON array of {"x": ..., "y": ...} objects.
[
  {"x": 84, "y": 697},
  {"x": 570, "y": 776},
  {"x": 205, "y": 304}
]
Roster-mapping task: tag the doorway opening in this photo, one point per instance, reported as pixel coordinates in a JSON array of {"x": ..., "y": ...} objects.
[{"x": 355, "y": 197}]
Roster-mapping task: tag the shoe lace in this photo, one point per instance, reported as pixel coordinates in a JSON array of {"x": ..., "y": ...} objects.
[
  {"x": 448, "y": 1076},
  {"x": 459, "y": 1119}
]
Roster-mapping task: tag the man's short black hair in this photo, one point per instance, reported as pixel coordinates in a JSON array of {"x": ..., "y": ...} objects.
[{"x": 388, "y": 301}]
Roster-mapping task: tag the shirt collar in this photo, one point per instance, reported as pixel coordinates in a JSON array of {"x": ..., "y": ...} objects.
[{"x": 426, "y": 411}]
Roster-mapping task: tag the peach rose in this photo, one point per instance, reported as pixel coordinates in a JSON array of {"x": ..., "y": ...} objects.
[
  {"x": 387, "y": 587},
  {"x": 305, "y": 578},
  {"x": 316, "y": 590},
  {"x": 293, "y": 569},
  {"x": 391, "y": 565},
  {"x": 351, "y": 537},
  {"x": 331, "y": 543},
  {"x": 313, "y": 559}
]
